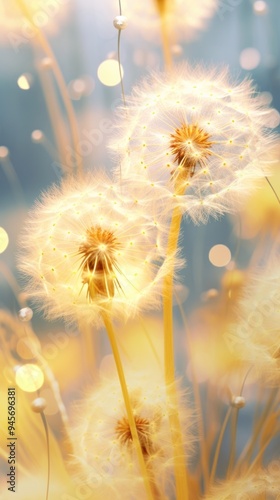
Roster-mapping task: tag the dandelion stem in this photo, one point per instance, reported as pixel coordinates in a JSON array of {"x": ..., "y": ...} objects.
[
  {"x": 90, "y": 349},
  {"x": 262, "y": 450},
  {"x": 234, "y": 430},
  {"x": 45, "y": 424},
  {"x": 169, "y": 363},
  {"x": 43, "y": 42},
  {"x": 248, "y": 450},
  {"x": 131, "y": 420},
  {"x": 273, "y": 189},
  {"x": 165, "y": 42},
  {"x": 219, "y": 444},
  {"x": 54, "y": 115},
  {"x": 13, "y": 179},
  {"x": 198, "y": 404}
]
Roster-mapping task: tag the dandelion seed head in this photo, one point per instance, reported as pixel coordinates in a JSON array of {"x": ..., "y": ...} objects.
[
  {"x": 258, "y": 484},
  {"x": 183, "y": 18},
  {"x": 254, "y": 336},
  {"x": 199, "y": 136},
  {"x": 86, "y": 247},
  {"x": 102, "y": 436}
]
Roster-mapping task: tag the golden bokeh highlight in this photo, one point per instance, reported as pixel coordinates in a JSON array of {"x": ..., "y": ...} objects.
[
  {"x": 220, "y": 255},
  {"x": 4, "y": 240},
  {"x": 29, "y": 377},
  {"x": 109, "y": 73},
  {"x": 24, "y": 82}
]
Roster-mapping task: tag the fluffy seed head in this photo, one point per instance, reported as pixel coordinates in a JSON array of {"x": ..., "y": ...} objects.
[
  {"x": 183, "y": 18},
  {"x": 13, "y": 21},
  {"x": 254, "y": 337},
  {"x": 205, "y": 140},
  {"x": 103, "y": 442},
  {"x": 262, "y": 483},
  {"x": 88, "y": 247},
  {"x": 190, "y": 145}
]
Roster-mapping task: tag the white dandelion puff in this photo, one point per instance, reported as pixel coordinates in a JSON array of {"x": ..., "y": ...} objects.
[
  {"x": 183, "y": 18},
  {"x": 103, "y": 443},
  {"x": 254, "y": 337},
  {"x": 87, "y": 248},
  {"x": 205, "y": 140}
]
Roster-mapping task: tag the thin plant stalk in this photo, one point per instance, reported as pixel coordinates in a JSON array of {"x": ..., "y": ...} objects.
[
  {"x": 198, "y": 403},
  {"x": 90, "y": 349},
  {"x": 248, "y": 450},
  {"x": 54, "y": 115},
  {"x": 9, "y": 320},
  {"x": 13, "y": 179},
  {"x": 219, "y": 444},
  {"x": 130, "y": 416},
  {"x": 234, "y": 431},
  {"x": 165, "y": 42},
  {"x": 169, "y": 363},
  {"x": 262, "y": 450},
  {"x": 43, "y": 42}
]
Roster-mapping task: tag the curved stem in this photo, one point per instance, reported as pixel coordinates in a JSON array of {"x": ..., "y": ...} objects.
[
  {"x": 234, "y": 430},
  {"x": 45, "y": 424},
  {"x": 165, "y": 42},
  {"x": 198, "y": 404},
  {"x": 42, "y": 40},
  {"x": 169, "y": 363},
  {"x": 131, "y": 420},
  {"x": 54, "y": 115},
  {"x": 249, "y": 448},
  {"x": 219, "y": 444},
  {"x": 262, "y": 450}
]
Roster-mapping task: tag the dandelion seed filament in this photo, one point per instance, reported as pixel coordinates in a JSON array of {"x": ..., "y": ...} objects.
[
  {"x": 191, "y": 145},
  {"x": 143, "y": 429},
  {"x": 98, "y": 261}
]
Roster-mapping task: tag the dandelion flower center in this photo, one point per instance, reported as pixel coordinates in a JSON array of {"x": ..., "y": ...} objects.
[
  {"x": 143, "y": 428},
  {"x": 98, "y": 254},
  {"x": 191, "y": 145}
]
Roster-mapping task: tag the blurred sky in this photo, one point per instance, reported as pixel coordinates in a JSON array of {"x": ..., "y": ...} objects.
[{"x": 83, "y": 38}]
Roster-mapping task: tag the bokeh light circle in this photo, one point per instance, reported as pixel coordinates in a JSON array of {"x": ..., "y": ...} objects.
[
  {"x": 220, "y": 255},
  {"x": 108, "y": 72},
  {"x": 4, "y": 240},
  {"x": 260, "y": 7},
  {"x": 29, "y": 377},
  {"x": 25, "y": 81},
  {"x": 249, "y": 58}
]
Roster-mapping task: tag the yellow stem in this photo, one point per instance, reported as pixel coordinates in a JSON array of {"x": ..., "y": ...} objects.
[
  {"x": 218, "y": 447},
  {"x": 169, "y": 364},
  {"x": 90, "y": 350},
  {"x": 54, "y": 115},
  {"x": 262, "y": 450},
  {"x": 13, "y": 179},
  {"x": 166, "y": 42},
  {"x": 248, "y": 450},
  {"x": 131, "y": 420},
  {"x": 198, "y": 404},
  {"x": 42, "y": 40}
]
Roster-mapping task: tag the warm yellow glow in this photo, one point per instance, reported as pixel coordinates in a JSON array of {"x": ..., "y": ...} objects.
[
  {"x": 51, "y": 406},
  {"x": 29, "y": 377},
  {"x": 24, "y": 82},
  {"x": 219, "y": 255},
  {"x": 108, "y": 72},
  {"x": 4, "y": 240}
]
